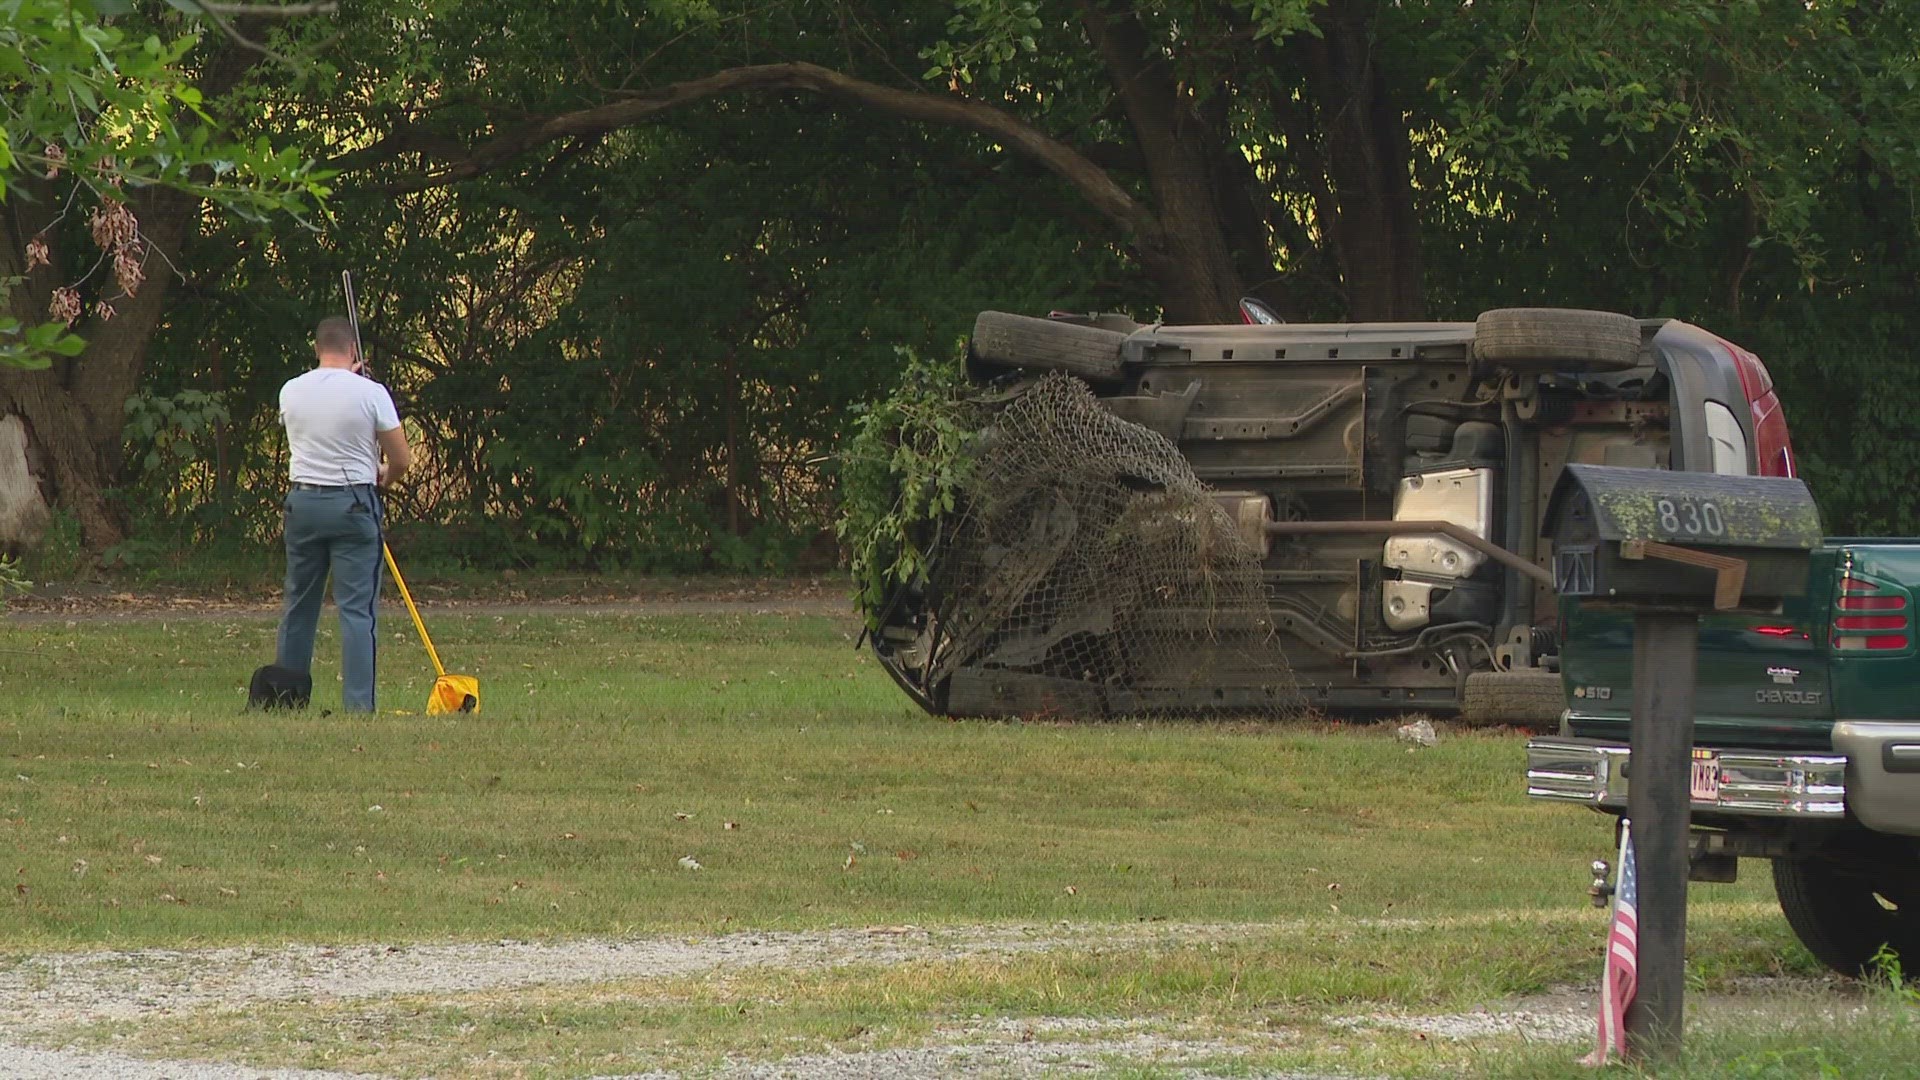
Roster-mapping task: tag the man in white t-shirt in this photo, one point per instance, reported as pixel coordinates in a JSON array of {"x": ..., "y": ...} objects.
[{"x": 346, "y": 443}]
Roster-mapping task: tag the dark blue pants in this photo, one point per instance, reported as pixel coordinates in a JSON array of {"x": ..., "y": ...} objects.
[{"x": 334, "y": 531}]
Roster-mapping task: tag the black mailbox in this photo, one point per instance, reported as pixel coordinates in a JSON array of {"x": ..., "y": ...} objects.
[{"x": 1678, "y": 540}]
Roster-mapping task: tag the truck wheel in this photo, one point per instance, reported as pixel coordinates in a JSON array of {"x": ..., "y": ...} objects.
[
  {"x": 1020, "y": 341},
  {"x": 1529, "y": 697},
  {"x": 1840, "y": 915},
  {"x": 1530, "y": 340}
]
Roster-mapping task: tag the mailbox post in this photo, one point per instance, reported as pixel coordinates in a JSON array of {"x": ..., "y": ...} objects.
[{"x": 1670, "y": 547}]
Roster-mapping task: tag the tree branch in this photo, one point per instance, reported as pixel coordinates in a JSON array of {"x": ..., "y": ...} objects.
[
  {"x": 242, "y": 40},
  {"x": 270, "y": 11},
  {"x": 1093, "y": 182},
  {"x": 220, "y": 14}
]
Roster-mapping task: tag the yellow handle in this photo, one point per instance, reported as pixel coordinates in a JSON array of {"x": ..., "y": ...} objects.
[{"x": 411, "y": 610}]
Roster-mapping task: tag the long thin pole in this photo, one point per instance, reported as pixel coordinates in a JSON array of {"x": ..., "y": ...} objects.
[
  {"x": 353, "y": 316},
  {"x": 433, "y": 654},
  {"x": 1413, "y": 528}
]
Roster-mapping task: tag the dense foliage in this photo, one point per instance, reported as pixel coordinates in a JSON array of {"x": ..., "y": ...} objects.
[
  {"x": 905, "y": 466},
  {"x": 96, "y": 102},
  {"x": 630, "y": 268}
]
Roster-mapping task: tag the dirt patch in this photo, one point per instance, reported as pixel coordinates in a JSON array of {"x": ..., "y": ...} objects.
[
  {"x": 46, "y": 994},
  {"x": 56, "y": 989},
  {"x": 1572, "y": 1016},
  {"x": 26, "y": 1063}
]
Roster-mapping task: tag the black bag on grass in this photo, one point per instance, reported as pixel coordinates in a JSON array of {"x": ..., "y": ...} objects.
[{"x": 275, "y": 687}]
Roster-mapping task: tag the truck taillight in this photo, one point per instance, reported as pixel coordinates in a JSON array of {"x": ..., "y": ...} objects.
[
  {"x": 1755, "y": 380},
  {"x": 1773, "y": 447},
  {"x": 1883, "y": 632}
]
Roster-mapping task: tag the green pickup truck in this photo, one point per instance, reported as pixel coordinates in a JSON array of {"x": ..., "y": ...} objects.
[{"x": 1807, "y": 746}]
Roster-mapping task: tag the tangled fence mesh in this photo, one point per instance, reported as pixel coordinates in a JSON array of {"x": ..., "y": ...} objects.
[{"x": 1087, "y": 549}]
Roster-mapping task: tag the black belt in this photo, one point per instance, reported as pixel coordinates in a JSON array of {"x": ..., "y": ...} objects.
[{"x": 301, "y": 485}]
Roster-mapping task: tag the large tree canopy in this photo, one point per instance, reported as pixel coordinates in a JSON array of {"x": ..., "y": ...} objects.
[
  {"x": 107, "y": 158},
  {"x": 630, "y": 264}
]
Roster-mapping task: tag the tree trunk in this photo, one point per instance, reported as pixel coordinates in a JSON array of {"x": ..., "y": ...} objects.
[
  {"x": 1371, "y": 224},
  {"x": 72, "y": 414},
  {"x": 1189, "y": 257}
]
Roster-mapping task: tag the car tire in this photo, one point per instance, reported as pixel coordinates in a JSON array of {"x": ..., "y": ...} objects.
[
  {"x": 1835, "y": 909},
  {"x": 1001, "y": 339},
  {"x": 1535, "y": 340},
  {"x": 1530, "y": 697}
]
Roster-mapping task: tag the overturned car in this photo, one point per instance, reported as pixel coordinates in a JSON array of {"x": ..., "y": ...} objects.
[{"x": 1266, "y": 516}]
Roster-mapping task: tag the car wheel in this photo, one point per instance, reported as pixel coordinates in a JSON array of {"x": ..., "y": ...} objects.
[
  {"x": 1021, "y": 341},
  {"x": 1533, "y": 340},
  {"x": 1530, "y": 697},
  {"x": 1843, "y": 914}
]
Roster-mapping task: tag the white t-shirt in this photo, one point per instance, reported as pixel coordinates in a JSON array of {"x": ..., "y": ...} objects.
[{"x": 331, "y": 415}]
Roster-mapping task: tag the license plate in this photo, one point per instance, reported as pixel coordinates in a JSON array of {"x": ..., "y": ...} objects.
[{"x": 1706, "y": 776}]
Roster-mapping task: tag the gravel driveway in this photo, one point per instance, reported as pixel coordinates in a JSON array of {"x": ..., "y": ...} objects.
[{"x": 44, "y": 994}]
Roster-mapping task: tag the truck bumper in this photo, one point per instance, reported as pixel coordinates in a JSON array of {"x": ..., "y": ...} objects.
[
  {"x": 1883, "y": 773},
  {"x": 1750, "y": 782}
]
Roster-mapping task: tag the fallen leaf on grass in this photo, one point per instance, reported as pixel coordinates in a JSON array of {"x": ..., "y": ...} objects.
[
  {"x": 730, "y": 826},
  {"x": 154, "y": 860},
  {"x": 1071, "y": 891},
  {"x": 681, "y": 815},
  {"x": 224, "y": 891}
]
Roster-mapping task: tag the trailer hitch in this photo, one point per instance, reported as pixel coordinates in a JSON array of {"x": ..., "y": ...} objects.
[{"x": 1601, "y": 891}]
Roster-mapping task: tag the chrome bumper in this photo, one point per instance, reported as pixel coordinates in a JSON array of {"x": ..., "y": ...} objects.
[{"x": 1751, "y": 782}]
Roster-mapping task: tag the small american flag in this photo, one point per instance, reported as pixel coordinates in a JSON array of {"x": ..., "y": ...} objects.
[{"x": 1622, "y": 972}]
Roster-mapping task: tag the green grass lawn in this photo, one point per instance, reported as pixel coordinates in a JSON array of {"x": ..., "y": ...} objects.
[{"x": 141, "y": 806}]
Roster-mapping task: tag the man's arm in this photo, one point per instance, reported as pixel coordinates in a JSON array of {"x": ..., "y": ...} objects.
[{"x": 399, "y": 456}]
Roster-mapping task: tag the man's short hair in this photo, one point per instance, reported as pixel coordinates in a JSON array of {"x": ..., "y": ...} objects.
[{"x": 334, "y": 335}]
